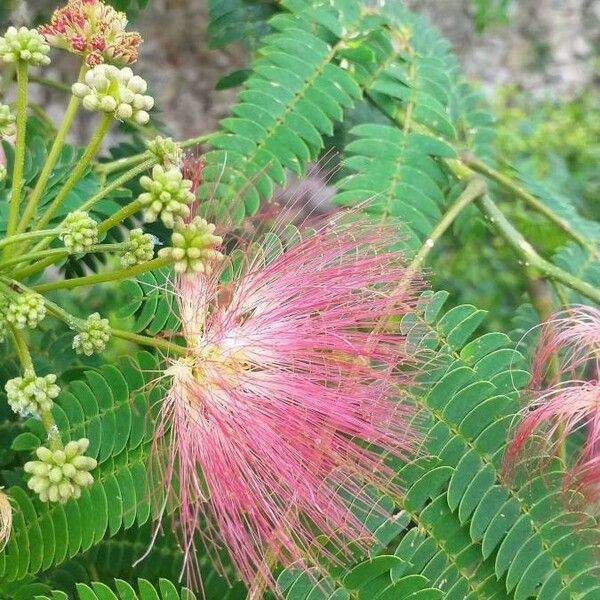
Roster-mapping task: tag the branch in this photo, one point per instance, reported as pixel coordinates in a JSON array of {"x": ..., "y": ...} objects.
[
  {"x": 530, "y": 257},
  {"x": 535, "y": 203},
  {"x": 475, "y": 189}
]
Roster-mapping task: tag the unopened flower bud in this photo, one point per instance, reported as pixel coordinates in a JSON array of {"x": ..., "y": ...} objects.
[
  {"x": 24, "y": 44},
  {"x": 140, "y": 248},
  {"x": 7, "y": 122},
  {"x": 26, "y": 311},
  {"x": 167, "y": 195},
  {"x": 30, "y": 394},
  {"x": 168, "y": 152},
  {"x": 94, "y": 337},
  {"x": 80, "y": 231},
  {"x": 193, "y": 246},
  {"x": 61, "y": 474},
  {"x": 115, "y": 91}
]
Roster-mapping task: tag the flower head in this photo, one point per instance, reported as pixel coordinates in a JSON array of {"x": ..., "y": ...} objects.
[
  {"x": 194, "y": 246},
  {"x": 93, "y": 29},
  {"x": 94, "y": 337},
  {"x": 115, "y": 91},
  {"x": 27, "y": 310},
  {"x": 80, "y": 231},
  {"x": 166, "y": 194},
  {"x": 25, "y": 45},
  {"x": 7, "y": 121},
  {"x": 31, "y": 394},
  {"x": 61, "y": 474},
  {"x": 289, "y": 365},
  {"x": 140, "y": 248},
  {"x": 568, "y": 345}
]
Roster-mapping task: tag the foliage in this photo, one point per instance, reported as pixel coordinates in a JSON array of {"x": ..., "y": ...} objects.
[{"x": 417, "y": 146}]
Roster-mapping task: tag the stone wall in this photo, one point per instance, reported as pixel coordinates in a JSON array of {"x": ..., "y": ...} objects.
[{"x": 548, "y": 49}]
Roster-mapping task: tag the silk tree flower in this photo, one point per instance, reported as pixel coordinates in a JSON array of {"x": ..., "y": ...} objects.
[
  {"x": 294, "y": 390},
  {"x": 5, "y": 519},
  {"x": 563, "y": 401},
  {"x": 92, "y": 29}
]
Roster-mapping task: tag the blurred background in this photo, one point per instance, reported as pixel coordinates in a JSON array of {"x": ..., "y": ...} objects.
[{"x": 544, "y": 48}]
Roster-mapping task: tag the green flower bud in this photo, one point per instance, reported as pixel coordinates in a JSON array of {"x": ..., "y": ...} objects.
[
  {"x": 193, "y": 246},
  {"x": 115, "y": 91},
  {"x": 3, "y": 173},
  {"x": 94, "y": 337},
  {"x": 61, "y": 474},
  {"x": 168, "y": 152},
  {"x": 80, "y": 231},
  {"x": 140, "y": 249},
  {"x": 7, "y": 123},
  {"x": 26, "y": 311},
  {"x": 31, "y": 394},
  {"x": 24, "y": 44},
  {"x": 167, "y": 195}
]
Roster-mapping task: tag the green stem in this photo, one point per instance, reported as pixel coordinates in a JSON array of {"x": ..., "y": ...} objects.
[
  {"x": 480, "y": 167},
  {"x": 22, "y": 237},
  {"x": 55, "y": 253},
  {"x": 118, "y": 165},
  {"x": 21, "y": 348},
  {"x": 53, "y": 156},
  {"x": 119, "y": 182},
  {"x": 474, "y": 190},
  {"x": 46, "y": 416},
  {"x": 124, "y": 213},
  {"x": 78, "y": 170},
  {"x": 67, "y": 284},
  {"x": 19, "y": 166},
  {"x": 149, "y": 341},
  {"x": 530, "y": 257}
]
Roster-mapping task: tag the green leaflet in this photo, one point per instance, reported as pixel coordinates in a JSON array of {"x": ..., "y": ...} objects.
[{"x": 165, "y": 590}]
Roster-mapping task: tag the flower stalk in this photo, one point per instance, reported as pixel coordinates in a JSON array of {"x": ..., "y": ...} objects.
[
  {"x": 68, "y": 284},
  {"x": 53, "y": 156},
  {"x": 19, "y": 166},
  {"x": 78, "y": 171}
]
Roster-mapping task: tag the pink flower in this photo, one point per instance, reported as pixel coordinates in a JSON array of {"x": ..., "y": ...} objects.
[
  {"x": 93, "y": 29},
  {"x": 569, "y": 347},
  {"x": 296, "y": 386}
]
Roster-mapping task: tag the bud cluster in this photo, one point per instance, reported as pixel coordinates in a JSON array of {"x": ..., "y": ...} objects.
[
  {"x": 94, "y": 337},
  {"x": 7, "y": 121},
  {"x": 26, "y": 311},
  {"x": 168, "y": 152},
  {"x": 140, "y": 248},
  {"x": 31, "y": 394},
  {"x": 193, "y": 246},
  {"x": 59, "y": 475},
  {"x": 167, "y": 195},
  {"x": 80, "y": 231},
  {"x": 25, "y": 45},
  {"x": 115, "y": 91}
]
